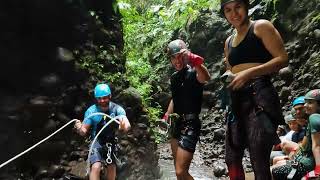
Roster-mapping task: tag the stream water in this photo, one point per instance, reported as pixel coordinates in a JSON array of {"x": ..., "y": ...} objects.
[{"x": 198, "y": 170}]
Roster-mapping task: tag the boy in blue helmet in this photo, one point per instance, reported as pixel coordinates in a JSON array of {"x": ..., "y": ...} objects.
[
  {"x": 299, "y": 110},
  {"x": 93, "y": 124}
]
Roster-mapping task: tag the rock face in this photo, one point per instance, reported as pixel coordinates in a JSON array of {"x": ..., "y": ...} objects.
[{"x": 44, "y": 47}]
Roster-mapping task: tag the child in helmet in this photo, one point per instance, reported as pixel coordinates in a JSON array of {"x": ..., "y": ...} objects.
[
  {"x": 252, "y": 54},
  {"x": 186, "y": 89},
  {"x": 290, "y": 141},
  {"x": 93, "y": 124},
  {"x": 307, "y": 156}
]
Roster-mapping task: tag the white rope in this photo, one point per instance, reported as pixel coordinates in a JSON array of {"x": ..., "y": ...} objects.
[
  {"x": 96, "y": 137},
  {"x": 29, "y": 149}
]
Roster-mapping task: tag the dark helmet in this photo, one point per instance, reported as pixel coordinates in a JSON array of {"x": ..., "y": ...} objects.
[
  {"x": 313, "y": 95},
  {"x": 224, "y": 2},
  {"x": 174, "y": 47}
]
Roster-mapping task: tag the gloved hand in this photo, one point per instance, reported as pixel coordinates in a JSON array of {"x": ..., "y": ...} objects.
[
  {"x": 190, "y": 58},
  {"x": 165, "y": 117}
]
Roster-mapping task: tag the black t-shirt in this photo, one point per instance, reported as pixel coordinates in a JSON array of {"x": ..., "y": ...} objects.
[{"x": 186, "y": 91}]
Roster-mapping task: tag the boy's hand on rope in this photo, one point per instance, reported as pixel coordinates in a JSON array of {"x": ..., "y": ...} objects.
[
  {"x": 77, "y": 125},
  {"x": 124, "y": 124}
]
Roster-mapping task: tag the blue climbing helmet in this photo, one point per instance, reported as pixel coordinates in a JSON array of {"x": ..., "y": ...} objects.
[
  {"x": 298, "y": 100},
  {"x": 102, "y": 90}
]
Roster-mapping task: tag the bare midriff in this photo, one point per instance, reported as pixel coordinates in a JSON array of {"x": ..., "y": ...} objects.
[{"x": 244, "y": 66}]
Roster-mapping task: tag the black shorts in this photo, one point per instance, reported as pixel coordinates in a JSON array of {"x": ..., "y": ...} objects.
[{"x": 187, "y": 132}]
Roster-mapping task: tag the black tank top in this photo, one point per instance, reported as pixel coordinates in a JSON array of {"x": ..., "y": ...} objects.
[
  {"x": 186, "y": 91},
  {"x": 250, "y": 50}
]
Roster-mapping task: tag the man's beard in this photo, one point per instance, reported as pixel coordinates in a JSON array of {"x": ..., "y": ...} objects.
[{"x": 103, "y": 107}]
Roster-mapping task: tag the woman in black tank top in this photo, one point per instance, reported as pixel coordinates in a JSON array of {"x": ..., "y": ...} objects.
[{"x": 254, "y": 52}]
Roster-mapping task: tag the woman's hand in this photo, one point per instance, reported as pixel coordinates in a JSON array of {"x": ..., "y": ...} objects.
[{"x": 240, "y": 79}]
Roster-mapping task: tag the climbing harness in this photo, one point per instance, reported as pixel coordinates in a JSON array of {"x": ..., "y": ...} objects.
[
  {"x": 166, "y": 127},
  {"x": 96, "y": 137},
  {"x": 109, "y": 159}
]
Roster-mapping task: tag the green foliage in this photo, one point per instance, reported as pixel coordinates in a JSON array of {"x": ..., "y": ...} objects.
[
  {"x": 148, "y": 27},
  {"x": 92, "y": 61},
  {"x": 316, "y": 19}
]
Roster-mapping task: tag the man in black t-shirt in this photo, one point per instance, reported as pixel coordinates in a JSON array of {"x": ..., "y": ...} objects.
[{"x": 186, "y": 88}]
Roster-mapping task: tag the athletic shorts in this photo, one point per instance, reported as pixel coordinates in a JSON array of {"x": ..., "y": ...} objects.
[
  {"x": 100, "y": 153},
  {"x": 187, "y": 132}
]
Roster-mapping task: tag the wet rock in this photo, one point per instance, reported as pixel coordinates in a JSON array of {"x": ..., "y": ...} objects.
[
  {"x": 40, "y": 100},
  {"x": 131, "y": 98},
  {"x": 307, "y": 79},
  {"x": 50, "y": 126},
  {"x": 163, "y": 98},
  {"x": 219, "y": 134},
  {"x": 208, "y": 98},
  {"x": 79, "y": 169},
  {"x": 50, "y": 82},
  {"x": 62, "y": 117},
  {"x": 316, "y": 85},
  {"x": 142, "y": 126},
  {"x": 42, "y": 173},
  {"x": 219, "y": 170},
  {"x": 124, "y": 142},
  {"x": 64, "y": 54},
  {"x": 316, "y": 33},
  {"x": 285, "y": 92},
  {"x": 286, "y": 74},
  {"x": 141, "y": 150},
  {"x": 144, "y": 119},
  {"x": 56, "y": 171}
]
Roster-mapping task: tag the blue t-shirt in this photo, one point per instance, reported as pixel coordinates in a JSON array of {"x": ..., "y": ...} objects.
[{"x": 97, "y": 122}]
